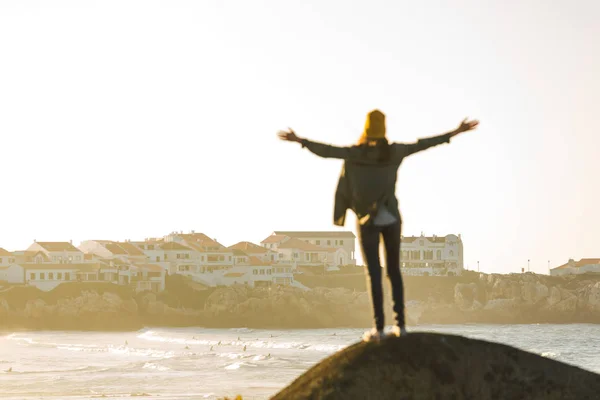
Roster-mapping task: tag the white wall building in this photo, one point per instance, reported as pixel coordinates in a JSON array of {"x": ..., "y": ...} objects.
[
  {"x": 572, "y": 267},
  {"x": 58, "y": 252},
  {"x": 432, "y": 255},
  {"x": 47, "y": 276},
  {"x": 254, "y": 250},
  {"x": 325, "y": 248},
  {"x": 112, "y": 249},
  {"x": 6, "y": 258},
  {"x": 199, "y": 240}
]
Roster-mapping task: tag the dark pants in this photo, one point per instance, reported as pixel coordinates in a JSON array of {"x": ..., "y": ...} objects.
[{"x": 369, "y": 243}]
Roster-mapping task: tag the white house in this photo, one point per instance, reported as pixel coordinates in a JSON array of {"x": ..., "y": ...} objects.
[
  {"x": 58, "y": 252},
  {"x": 6, "y": 258},
  {"x": 177, "y": 252},
  {"x": 148, "y": 277},
  {"x": 112, "y": 249},
  {"x": 258, "y": 274},
  {"x": 24, "y": 256},
  {"x": 257, "y": 251},
  {"x": 432, "y": 255},
  {"x": 572, "y": 267},
  {"x": 47, "y": 276},
  {"x": 344, "y": 240},
  {"x": 200, "y": 240},
  {"x": 151, "y": 248}
]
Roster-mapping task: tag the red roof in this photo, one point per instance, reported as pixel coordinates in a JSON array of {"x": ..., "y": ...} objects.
[
  {"x": 58, "y": 246},
  {"x": 201, "y": 239},
  {"x": 316, "y": 234},
  {"x": 432, "y": 239},
  {"x": 5, "y": 252},
  {"x": 294, "y": 243},
  {"x": 274, "y": 239},
  {"x": 580, "y": 263},
  {"x": 234, "y": 274},
  {"x": 248, "y": 248},
  {"x": 174, "y": 246},
  {"x": 257, "y": 261},
  {"x": 150, "y": 267}
]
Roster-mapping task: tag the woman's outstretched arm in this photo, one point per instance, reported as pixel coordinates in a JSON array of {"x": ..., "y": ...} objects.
[
  {"x": 320, "y": 149},
  {"x": 425, "y": 143}
]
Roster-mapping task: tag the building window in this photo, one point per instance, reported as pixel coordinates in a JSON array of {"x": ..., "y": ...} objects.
[
  {"x": 296, "y": 255},
  {"x": 428, "y": 255},
  {"x": 42, "y": 276},
  {"x": 451, "y": 253},
  {"x": 438, "y": 255},
  {"x": 59, "y": 276},
  {"x": 341, "y": 242},
  {"x": 67, "y": 276},
  {"x": 51, "y": 275},
  {"x": 317, "y": 242},
  {"x": 306, "y": 256},
  {"x": 329, "y": 243},
  {"x": 415, "y": 255},
  {"x": 32, "y": 276},
  {"x": 280, "y": 255},
  {"x": 11, "y": 260}
]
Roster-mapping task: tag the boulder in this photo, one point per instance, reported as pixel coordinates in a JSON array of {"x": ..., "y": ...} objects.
[
  {"x": 435, "y": 366},
  {"x": 534, "y": 292},
  {"x": 464, "y": 294},
  {"x": 224, "y": 300},
  {"x": 554, "y": 296},
  {"x": 4, "y": 307},
  {"x": 593, "y": 297},
  {"x": 503, "y": 307},
  {"x": 34, "y": 308}
]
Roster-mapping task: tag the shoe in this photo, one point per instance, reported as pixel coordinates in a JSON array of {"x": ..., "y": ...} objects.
[
  {"x": 373, "y": 335},
  {"x": 398, "y": 331}
]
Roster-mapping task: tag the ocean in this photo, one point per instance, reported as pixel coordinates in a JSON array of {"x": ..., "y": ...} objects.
[{"x": 196, "y": 363}]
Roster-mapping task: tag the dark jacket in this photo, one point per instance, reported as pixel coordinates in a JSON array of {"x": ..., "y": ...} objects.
[{"x": 365, "y": 183}]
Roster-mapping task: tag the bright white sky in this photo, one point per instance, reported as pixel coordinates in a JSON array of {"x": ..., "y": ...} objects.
[{"x": 129, "y": 119}]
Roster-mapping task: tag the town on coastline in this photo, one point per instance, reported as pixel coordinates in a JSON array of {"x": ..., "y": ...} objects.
[{"x": 144, "y": 265}]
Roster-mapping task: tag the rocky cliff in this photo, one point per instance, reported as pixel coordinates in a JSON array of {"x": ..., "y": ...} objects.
[
  {"x": 477, "y": 298},
  {"x": 433, "y": 366}
]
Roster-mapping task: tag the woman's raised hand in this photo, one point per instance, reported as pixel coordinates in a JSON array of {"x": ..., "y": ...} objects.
[
  {"x": 465, "y": 126},
  {"x": 288, "y": 135}
]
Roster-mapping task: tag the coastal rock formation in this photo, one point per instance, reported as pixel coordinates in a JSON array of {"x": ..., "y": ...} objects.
[
  {"x": 471, "y": 298},
  {"x": 434, "y": 366}
]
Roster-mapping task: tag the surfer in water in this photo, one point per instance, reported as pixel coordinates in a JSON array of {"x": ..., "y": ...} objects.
[{"x": 367, "y": 186}]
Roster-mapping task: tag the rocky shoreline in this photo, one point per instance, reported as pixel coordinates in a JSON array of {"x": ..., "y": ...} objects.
[{"x": 474, "y": 298}]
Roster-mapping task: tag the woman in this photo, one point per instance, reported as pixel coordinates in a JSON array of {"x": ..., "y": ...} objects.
[{"x": 367, "y": 186}]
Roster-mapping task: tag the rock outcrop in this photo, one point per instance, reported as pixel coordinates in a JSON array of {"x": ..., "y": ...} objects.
[
  {"x": 434, "y": 366},
  {"x": 473, "y": 298}
]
